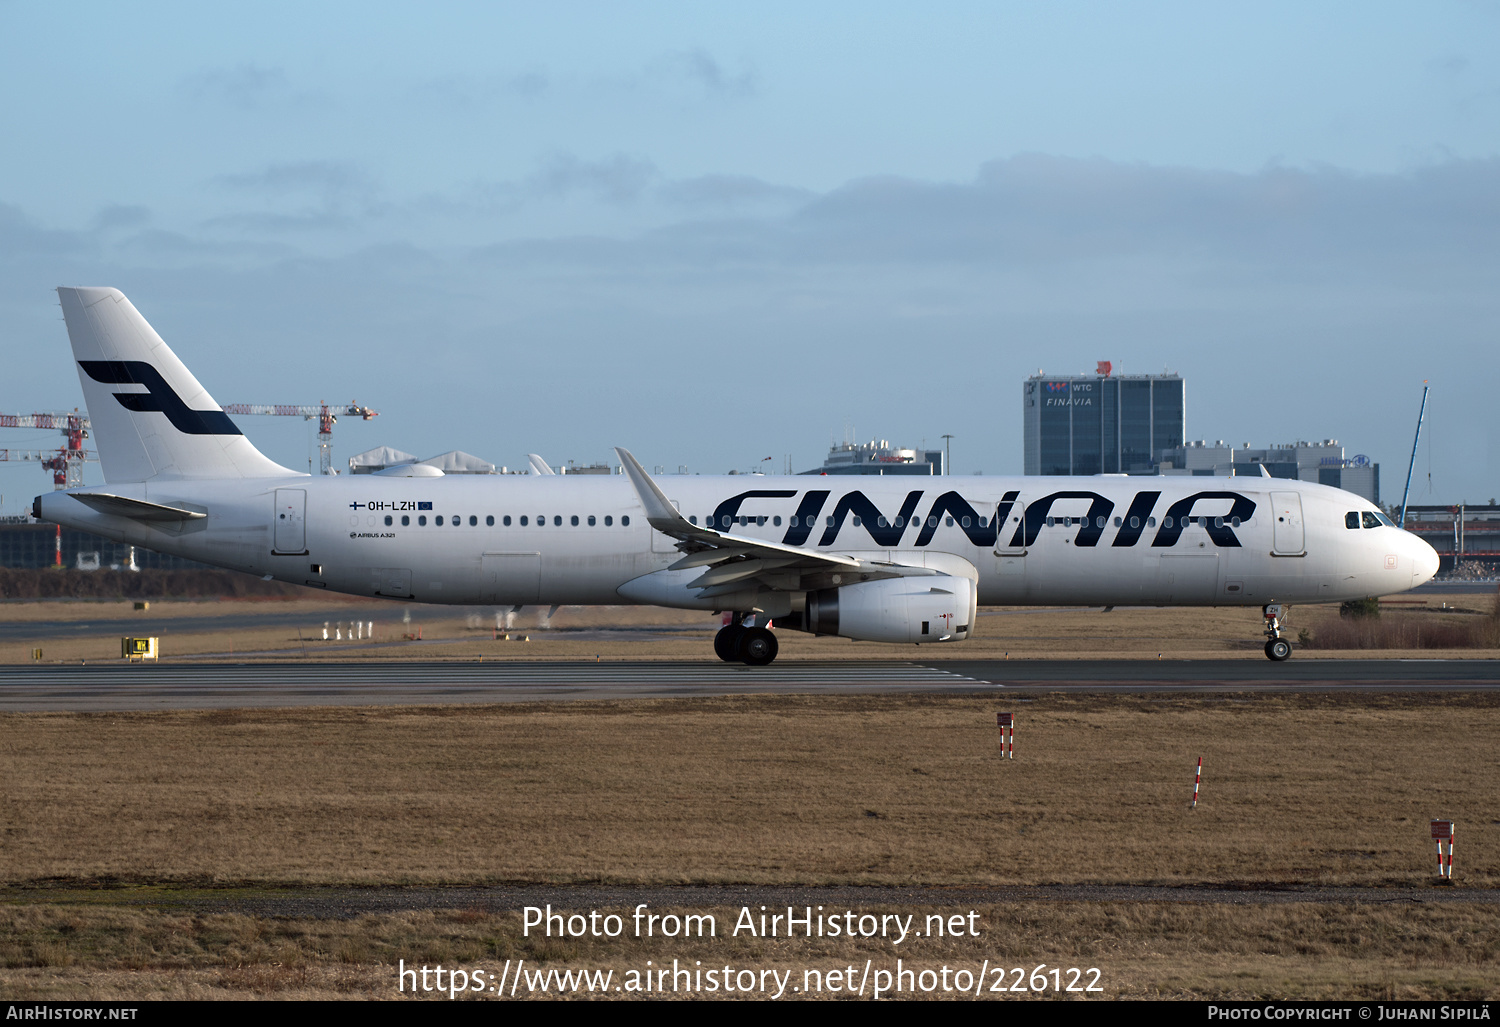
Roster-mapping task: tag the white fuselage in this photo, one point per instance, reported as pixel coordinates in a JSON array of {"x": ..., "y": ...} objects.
[{"x": 585, "y": 540}]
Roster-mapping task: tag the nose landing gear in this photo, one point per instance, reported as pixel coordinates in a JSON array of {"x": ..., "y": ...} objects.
[
  {"x": 1277, "y": 648},
  {"x": 747, "y": 643}
]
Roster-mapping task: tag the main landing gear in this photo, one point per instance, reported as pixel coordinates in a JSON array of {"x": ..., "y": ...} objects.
[
  {"x": 1277, "y": 648},
  {"x": 747, "y": 643}
]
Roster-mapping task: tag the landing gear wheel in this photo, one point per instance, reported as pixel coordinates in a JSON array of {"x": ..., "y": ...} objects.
[
  {"x": 758, "y": 647},
  {"x": 1278, "y": 649},
  {"x": 727, "y": 642}
]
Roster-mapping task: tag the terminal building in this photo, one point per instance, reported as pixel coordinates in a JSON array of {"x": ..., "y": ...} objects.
[
  {"x": 1466, "y": 537},
  {"x": 1323, "y": 462},
  {"x": 1101, "y": 423},
  {"x": 878, "y": 457}
]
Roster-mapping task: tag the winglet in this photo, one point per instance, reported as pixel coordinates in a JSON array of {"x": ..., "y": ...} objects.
[
  {"x": 1263, "y": 472},
  {"x": 660, "y": 513},
  {"x": 663, "y": 516}
]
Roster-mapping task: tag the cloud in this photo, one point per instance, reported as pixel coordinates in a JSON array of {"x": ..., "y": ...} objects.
[
  {"x": 619, "y": 178},
  {"x": 302, "y": 196},
  {"x": 702, "y": 69},
  {"x": 322, "y": 176},
  {"x": 736, "y": 192},
  {"x": 245, "y": 86},
  {"x": 117, "y": 217},
  {"x": 1448, "y": 65},
  {"x": 466, "y": 92}
]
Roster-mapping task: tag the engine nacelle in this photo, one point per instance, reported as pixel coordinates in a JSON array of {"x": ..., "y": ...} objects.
[{"x": 938, "y": 608}]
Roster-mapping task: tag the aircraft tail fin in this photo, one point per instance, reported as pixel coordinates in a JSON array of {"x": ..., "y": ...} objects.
[{"x": 150, "y": 418}]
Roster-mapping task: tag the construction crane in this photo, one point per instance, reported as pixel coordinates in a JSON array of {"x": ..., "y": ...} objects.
[
  {"x": 324, "y": 414},
  {"x": 66, "y": 464}
]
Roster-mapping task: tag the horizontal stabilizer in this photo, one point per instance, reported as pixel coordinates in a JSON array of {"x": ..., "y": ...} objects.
[{"x": 135, "y": 509}]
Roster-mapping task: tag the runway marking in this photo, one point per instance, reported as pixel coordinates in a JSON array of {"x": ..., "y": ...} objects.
[
  {"x": 114, "y": 686},
  {"x": 196, "y": 687}
]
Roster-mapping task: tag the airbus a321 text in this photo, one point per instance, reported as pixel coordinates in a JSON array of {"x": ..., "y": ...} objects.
[{"x": 886, "y": 559}]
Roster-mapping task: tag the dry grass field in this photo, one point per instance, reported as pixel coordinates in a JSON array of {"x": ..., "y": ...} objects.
[
  {"x": 1142, "y": 950},
  {"x": 760, "y": 789},
  {"x": 626, "y": 633}
]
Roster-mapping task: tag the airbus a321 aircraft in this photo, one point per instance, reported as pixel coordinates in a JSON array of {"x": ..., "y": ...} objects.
[{"x": 885, "y": 559}]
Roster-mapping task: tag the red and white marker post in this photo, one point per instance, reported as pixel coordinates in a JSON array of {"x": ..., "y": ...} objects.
[
  {"x": 1197, "y": 780},
  {"x": 1007, "y": 724},
  {"x": 1442, "y": 830}
]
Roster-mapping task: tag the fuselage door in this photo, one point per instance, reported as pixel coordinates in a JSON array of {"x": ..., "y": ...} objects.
[
  {"x": 511, "y": 577},
  {"x": 290, "y": 534},
  {"x": 1010, "y": 524},
  {"x": 1287, "y": 529}
]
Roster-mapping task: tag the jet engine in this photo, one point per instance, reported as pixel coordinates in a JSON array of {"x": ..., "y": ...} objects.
[{"x": 935, "y": 608}]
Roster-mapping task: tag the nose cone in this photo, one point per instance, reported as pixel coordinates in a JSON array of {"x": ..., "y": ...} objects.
[{"x": 1424, "y": 561}]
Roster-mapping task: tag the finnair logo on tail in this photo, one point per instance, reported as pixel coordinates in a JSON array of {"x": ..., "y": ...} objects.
[{"x": 159, "y": 397}]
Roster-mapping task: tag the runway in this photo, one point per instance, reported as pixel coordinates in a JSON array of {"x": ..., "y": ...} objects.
[{"x": 120, "y": 687}]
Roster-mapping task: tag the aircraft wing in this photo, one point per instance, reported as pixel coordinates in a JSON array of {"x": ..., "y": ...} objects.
[{"x": 732, "y": 561}]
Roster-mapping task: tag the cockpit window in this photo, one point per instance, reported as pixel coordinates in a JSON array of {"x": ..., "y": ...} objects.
[
  {"x": 1371, "y": 521},
  {"x": 1351, "y": 519},
  {"x": 1383, "y": 519}
]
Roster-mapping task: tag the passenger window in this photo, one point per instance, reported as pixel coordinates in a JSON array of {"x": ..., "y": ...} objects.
[
  {"x": 625, "y": 521},
  {"x": 1118, "y": 522},
  {"x": 405, "y": 520},
  {"x": 1150, "y": 522},
  {"x": 900, "y": 522},
  {"x": 793, "y": 521},
  {"x": 541, "y": 522},
  {"x": 388, "y": 519},
  {"x": 438, "y": 520},
  {"x": 608, "y": 520},
  {"x": 575, "y": 520},
  {"x": 490, "y": 520},
  {"x": 984, "y": 522},
  {"x": 830, "y": 522},
  {"x": 523, "y": 520},
  {"x": 591, "y": 520},
  {"x": 474, "y": 521},
  {"x": 964, "y": 521},
  {"x": 1234, "y": 521},
  {"x": 1371, "y": 521},
  {"x": 422, "y": 521},
  {"x": 950, "y": 522},
  {"x": 1099, "y": 523},
  {"x": 1218, "y": 522},
  {"x": 776, "y": 522},
  {"x": 457, "y": 521},
  {"x": 880, "y": 522},
  {"x": 1135, "y": 522},
  {"x": 693, "y": 519}
]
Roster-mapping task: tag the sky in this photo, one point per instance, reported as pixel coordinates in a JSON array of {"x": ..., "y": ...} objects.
[{"x": 714, "y": 234}]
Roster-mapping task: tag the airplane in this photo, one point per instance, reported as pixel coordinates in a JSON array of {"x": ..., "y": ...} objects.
[{"x": 888, "y": 559}]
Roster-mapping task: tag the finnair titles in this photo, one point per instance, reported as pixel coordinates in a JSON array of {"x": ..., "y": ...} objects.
[{"x": 877, "y": 559}]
